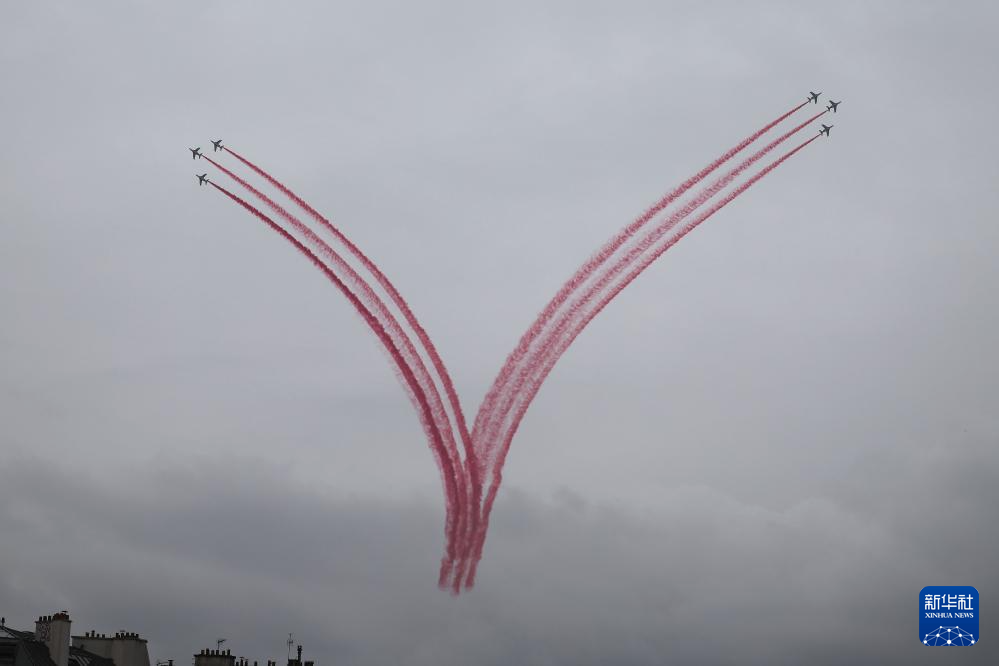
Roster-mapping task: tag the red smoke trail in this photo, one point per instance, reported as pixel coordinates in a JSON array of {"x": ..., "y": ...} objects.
[
  {"x": 536, "y": 384},
  {"x": 384, "y": 316},
  {"x": 421, "y": 334},
  {"x": 488, "y": 410},
  {"x": 382, "y": 280},
  {"x": 410, "y": 383},
  {"x": 551, "y": 338}
]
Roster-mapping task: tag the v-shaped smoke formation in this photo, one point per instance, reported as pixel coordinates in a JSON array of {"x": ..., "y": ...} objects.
[{"x": 581, "y": 299}]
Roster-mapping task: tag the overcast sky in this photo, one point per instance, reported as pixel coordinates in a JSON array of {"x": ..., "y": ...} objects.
[{"x": 759, "y": 453}]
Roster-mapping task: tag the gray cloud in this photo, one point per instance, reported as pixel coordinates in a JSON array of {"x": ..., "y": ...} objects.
[{"x": 186, "y": 554}]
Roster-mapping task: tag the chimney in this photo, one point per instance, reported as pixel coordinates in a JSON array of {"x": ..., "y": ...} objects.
[
  {"x": 54, "y": 631},
  {"x": 127, "y": 648}
]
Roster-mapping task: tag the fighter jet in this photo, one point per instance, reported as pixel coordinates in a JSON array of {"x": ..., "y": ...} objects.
[
  {"x": 217, "y": 145},
  {"x": 833, "y": 106},
  {"x": 825, "y": 129},
  {"x": 813, "y": 97},
  {"x": 195, "y": 152},
  {"x": 202, "y": 179}
]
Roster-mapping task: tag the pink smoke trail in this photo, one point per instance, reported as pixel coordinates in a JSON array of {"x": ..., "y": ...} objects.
[
  {"x": 487, "y": 411},
  {"x": 551, "y": 338},
  {"x": 414, "y": 390},
  {"x": 399, "y": 337},
  {"x": 381, "y": 279},
  {"x": 489, "y": 418},
  {"x": 483, "y": 525},
  {"x": 407, "y": 313}
]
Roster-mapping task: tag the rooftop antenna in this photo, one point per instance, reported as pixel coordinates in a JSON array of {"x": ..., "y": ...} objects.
[
  {"x": 218, "y": 644},
  {"x": 290, "y": 642}
]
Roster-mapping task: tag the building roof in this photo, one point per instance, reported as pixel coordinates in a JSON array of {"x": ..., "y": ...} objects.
[
  {"x": 37, "y": 653},
  {"x": 19, "y": 648},
  {"x": 80, "y": 657},
  {"x": 7, "y": 632}
]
